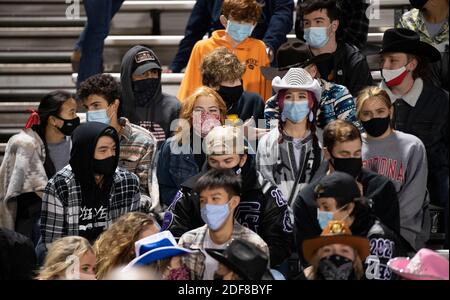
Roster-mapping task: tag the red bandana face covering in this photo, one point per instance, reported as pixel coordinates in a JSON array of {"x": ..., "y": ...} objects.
[
  {"x": 203, "y": 123},
  {"x": 394, "y": 77}
]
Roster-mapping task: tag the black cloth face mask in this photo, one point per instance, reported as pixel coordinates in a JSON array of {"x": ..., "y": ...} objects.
[
  {"x": 376, "y": 126},
  {"x": 69, "y": 125},
  {"x": 230, "y": 95},
  {"x": 350, "y": 166}
]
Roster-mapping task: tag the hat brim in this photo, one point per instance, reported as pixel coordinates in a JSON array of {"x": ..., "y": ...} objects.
[
  {"x": 278, "y": 84},
  {"x": 399, "y": 264},
  {"x": 420, "y": 49},
  {"x": 361, "y": 244},
  {"x": 145, "y": 67},
  {"x": 158, "y": 254},
  {"x": 217, "y": 254},
  {"x": 270, "y": 72}
]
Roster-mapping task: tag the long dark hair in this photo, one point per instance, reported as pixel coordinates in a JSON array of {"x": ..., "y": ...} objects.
[{"x": 50, "y": 105}]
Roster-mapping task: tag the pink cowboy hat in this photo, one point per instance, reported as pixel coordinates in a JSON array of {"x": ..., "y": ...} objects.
[{"x": 425, "y": 265}]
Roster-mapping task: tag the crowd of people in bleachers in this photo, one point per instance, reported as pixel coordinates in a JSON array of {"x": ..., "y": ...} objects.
[{"x": 277, "y": 159}]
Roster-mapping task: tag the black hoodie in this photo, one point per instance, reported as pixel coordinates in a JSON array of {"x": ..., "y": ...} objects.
[
  {"x": 155, "y": 115},
  {"x": 94, "y": 197}
]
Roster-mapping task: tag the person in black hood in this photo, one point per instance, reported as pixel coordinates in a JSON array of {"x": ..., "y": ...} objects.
[
  {"x": 262, "y": 207},
  {"x": 86, "y": 196},
  {"x": 144, "y": 103}
]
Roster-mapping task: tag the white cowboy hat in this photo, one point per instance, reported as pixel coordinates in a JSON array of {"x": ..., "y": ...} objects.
[{"x": 298, "y": 78}]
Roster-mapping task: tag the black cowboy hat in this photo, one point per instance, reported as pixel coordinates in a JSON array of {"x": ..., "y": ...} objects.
[
  {"x": 292, "y": 54},
  {"x": 245, "y": 259},
  {"x": 407, "y": 41}
]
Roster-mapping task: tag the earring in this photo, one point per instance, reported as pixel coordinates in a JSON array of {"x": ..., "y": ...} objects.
[{"x": 311, "y": 117}]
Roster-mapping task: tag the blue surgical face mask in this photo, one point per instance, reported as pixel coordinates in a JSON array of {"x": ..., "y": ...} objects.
[
  {"x": 98, "y": 116},
  {"x": 214, "y": 215},
  {"x": 239, "y": 32},
  {"x": 294, "y": 111},
  {"x": 323, "y": 217},
  {"x": 316, "y": 37}
]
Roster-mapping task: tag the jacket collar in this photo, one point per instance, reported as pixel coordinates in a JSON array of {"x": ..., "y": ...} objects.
[{"x": 410, "y": 97}]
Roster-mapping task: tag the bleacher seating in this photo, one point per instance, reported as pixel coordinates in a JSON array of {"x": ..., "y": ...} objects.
[{"x": 36, "y": 42}]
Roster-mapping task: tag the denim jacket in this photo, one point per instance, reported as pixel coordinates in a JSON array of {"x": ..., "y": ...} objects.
[{"x": 174, "y": 168}]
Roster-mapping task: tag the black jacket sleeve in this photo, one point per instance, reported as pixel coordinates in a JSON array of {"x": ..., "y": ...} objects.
[
  {"x": 184, "y": 213},
  {"x": 305, "y": 220},
  {"x": 276, "y": 226},
  {"x": 384, "y": 200},
  {"x": 198, "y": 25},
  {"x": 357, "y": 71}
]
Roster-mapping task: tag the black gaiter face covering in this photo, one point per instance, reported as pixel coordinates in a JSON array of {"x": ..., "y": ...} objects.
[
  {"x": 335, "y": 267},
  {"x": 376, "y": 126},
  {"x": 105, "y": 166},
  {"x": 145, "y": 90}
]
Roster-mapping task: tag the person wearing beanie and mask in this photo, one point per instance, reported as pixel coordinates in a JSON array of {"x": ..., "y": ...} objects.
[
  {"x": 261, "y": 208},
  {"x": 85, "y": 197},
  {"x": 144, "y": 103},
  {"x": 338, "y": 199},
  {"x": 420, "y": 108},
  {"x": 347, "y": 65},
  {"x": 429, "y": 18},
  {"x": 342, "y": 152},
  {"x": 290, "y": 154},
  {"x": 32, "y": 157},
  {"x": 239, "y": 17},
  {"x": 218, "y": 199},
  {"x": 399, "y": 156},
  {"x": 335, "y": 102},
  {"x": 101, "y": 96}
]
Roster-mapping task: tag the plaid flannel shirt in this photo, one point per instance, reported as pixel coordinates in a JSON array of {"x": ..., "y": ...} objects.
[
  {"x": 137, "y": 155},
  {"x": 194, "y": 240},
  {"x": 62, "y": 199},
  {"x": 414, "y": 21}
]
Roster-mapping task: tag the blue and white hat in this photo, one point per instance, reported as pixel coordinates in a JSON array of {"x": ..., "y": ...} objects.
[{"x": 156, "y": 247}]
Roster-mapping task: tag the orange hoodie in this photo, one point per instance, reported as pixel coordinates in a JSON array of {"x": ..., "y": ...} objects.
[{"x": 251, "y": 51}]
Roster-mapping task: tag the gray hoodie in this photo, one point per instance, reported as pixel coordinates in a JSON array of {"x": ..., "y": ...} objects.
[
  {"x": 158, "y": 114},
  {"x": 401, "y": 157}
]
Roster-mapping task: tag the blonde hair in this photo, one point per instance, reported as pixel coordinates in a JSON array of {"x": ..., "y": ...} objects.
[
  {"x": 56, "y": 261},
  {"x": 372, "y": 92},
  {"x": 115, "y": 246},
  {"x": 357, "y": 265},
  {"x": 221, "y": 65},
  {"x": 187, "y": 108}
]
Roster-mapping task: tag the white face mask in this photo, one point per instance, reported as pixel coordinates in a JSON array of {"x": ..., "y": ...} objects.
[{"x": 394, "y": 77}]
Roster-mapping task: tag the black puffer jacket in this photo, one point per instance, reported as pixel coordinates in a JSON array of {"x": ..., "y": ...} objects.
[{"x": 262, "y": 209}]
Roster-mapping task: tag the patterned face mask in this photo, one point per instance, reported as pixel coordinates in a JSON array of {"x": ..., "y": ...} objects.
[
  {"x": 335, "y": 267},
  {"x": 203, "y": 123}
]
